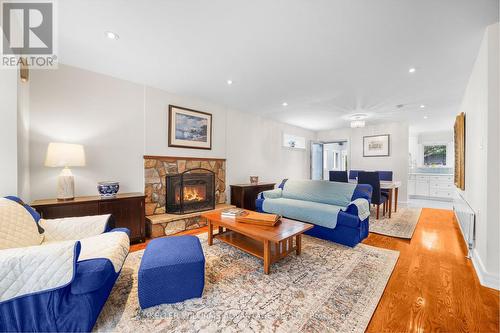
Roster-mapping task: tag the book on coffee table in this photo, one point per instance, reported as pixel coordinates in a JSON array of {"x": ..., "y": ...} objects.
[
  {"x": 250, "y": 217},
  {"x": 232, "y": 212}
]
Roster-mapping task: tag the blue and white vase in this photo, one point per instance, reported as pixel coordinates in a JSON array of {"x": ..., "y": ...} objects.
[{"x": 108, "y": 189}]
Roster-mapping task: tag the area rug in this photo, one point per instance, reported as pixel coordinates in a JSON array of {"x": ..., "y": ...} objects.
[
  {"x": 329, "y": 287},
  {"x": 401, "y": 224}
]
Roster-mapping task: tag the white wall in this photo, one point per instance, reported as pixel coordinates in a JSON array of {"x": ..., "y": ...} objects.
[
  {"x": 102, "y": 113},
  {"x": 156, "y": 124},
  {"x": 481, "y": 107},
  {"x": 118, "y": 122},
  {"x": 23, "y": 167},
  {"x": 8, "y": 132},
  {"x": 397, "y": 161},
  {"x": 254, "y": 148}
]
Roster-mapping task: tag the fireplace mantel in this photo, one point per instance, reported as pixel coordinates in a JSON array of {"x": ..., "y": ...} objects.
[{"x": 175, "y": 158}]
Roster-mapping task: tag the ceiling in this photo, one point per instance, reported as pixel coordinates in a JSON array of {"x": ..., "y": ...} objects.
[{"x": 327, "y": 59}]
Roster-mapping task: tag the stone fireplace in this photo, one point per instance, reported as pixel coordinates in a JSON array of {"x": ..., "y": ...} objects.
[
  {"x": 190, "y": 191},
  {"x": 156, "y": 168},
  {"x": 164, "y": 214}
]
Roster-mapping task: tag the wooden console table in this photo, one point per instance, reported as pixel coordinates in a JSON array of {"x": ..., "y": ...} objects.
[
  {"x": 127, "y": 208},
  {"x": 244, "y": 195}
]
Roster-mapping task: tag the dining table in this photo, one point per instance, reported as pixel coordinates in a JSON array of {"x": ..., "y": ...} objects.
[{"x": 392, "y": 187}]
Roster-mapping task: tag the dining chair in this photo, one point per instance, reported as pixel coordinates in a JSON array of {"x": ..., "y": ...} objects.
[
  {"x": 372, "y": 178},
  {"x": 338, "y": 176},
  {"x": 387, "y": 176},
  {"x": 353, "y": 174}
]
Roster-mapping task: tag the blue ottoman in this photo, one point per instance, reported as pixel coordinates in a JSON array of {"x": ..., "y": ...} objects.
[{"x": 172, "y": 270}]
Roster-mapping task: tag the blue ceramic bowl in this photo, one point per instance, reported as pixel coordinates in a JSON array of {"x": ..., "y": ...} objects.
[{"x": 108, "y": 189}]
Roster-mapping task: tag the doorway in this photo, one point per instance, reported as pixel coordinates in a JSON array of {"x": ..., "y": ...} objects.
[{"x": 328, "y": 156}]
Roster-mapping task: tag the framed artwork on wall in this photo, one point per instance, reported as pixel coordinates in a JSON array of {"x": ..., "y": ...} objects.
[
  {"x": 376, "y": 145},
  {"x": 189, "y": 128},
  {"x": 459, "y": 133}
]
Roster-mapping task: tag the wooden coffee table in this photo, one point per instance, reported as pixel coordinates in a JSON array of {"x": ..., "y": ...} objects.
[{"x": 267, "y": 243}]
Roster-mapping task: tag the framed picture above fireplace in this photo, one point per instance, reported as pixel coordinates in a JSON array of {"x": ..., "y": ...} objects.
[{"x": 189, "y": 128}]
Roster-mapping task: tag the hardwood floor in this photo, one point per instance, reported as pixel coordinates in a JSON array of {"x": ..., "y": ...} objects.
[{"x": 433, "y": 286}]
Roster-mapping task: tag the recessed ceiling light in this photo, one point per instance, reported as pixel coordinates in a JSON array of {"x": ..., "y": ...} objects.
[
  {"x": 284, "y": 104},
  {"x": 229, "y": 82},
  {"x": 425, "y": 117},
  {"x": 412, "y": 70},
  {"x": 111, "y": 35},
  {"x": 422, "y": 106}
]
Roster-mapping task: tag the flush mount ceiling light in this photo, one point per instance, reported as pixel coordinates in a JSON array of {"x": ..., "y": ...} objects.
[
  {"x": 284, "y": 104},
  {"x": 422, "y": 106},
  {"x": 111, "y": 35},
  {"x": 229, "y": 82},
  {"x": 357, "y": 120},
  {"x": 425, "y": 117},
  {"x": 357, "y": 124},
  {"x": 412, "y": 70}
]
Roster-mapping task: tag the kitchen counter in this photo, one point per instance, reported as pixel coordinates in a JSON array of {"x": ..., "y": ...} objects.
[{"x": 431, "y": 173}]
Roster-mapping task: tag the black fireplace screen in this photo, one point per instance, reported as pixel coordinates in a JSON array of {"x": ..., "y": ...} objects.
[{"x": 190, "y": 191}]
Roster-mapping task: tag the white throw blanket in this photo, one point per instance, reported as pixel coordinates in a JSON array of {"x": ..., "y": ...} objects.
[
  {"x": 111, "y": 245},
  {"x": 363, "y": 208},
  {"x": 32, "y": 269},
  {"x": 17, "y": 226},
  {"x": 28, "y": 267},
  {"x": 73, "y": 227}
]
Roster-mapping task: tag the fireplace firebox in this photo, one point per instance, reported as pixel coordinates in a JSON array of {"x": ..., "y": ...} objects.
[{"x": 190, "y": 191}]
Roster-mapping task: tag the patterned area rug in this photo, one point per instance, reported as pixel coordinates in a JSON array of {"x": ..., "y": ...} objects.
[
  {"x": 401, "y": 224},
  {"x": 329, "y": 287}
]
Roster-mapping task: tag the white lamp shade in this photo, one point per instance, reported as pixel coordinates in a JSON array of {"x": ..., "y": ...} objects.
[{"x": 65, "y": 155}]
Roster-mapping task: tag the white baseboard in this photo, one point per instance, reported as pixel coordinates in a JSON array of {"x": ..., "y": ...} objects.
[{"x": 485, "y": 278}]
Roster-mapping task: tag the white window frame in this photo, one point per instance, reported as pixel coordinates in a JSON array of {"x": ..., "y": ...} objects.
[
  {"x": 422, "y": 150},
  {"x": 301, "y": 141}
]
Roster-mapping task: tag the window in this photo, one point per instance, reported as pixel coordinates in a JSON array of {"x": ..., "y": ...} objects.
[
  {"x": 292, "y": 141},
  {"x": 435, "y": 155}
]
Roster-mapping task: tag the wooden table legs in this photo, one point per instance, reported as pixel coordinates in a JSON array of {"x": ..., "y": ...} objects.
[
  {"x": 210, "y": 233},
  {"x": 267, "y": 257},
  {"x": 393, "y": 192},
  {"x": 396, "y": 190},
  {"x": 298, "y": 244},
  {"x": 390, "y": 201}
]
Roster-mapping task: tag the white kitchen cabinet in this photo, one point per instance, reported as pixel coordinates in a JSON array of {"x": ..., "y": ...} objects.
[
  {"x": 422, "y": 188},
  {"x": 431, "y": 186},
  {"x": 411, "y": 187}
]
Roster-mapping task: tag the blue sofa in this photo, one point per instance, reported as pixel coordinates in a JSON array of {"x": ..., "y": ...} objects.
[
  {"x": 73, "y": 305},
  {"x": 339, "y": 211}
]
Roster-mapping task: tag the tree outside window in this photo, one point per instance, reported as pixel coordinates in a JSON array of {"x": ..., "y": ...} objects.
[{"x": 435, "y": 155}]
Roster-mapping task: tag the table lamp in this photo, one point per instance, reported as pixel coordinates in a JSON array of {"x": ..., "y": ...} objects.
[{"x": 65, "y": 155}]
